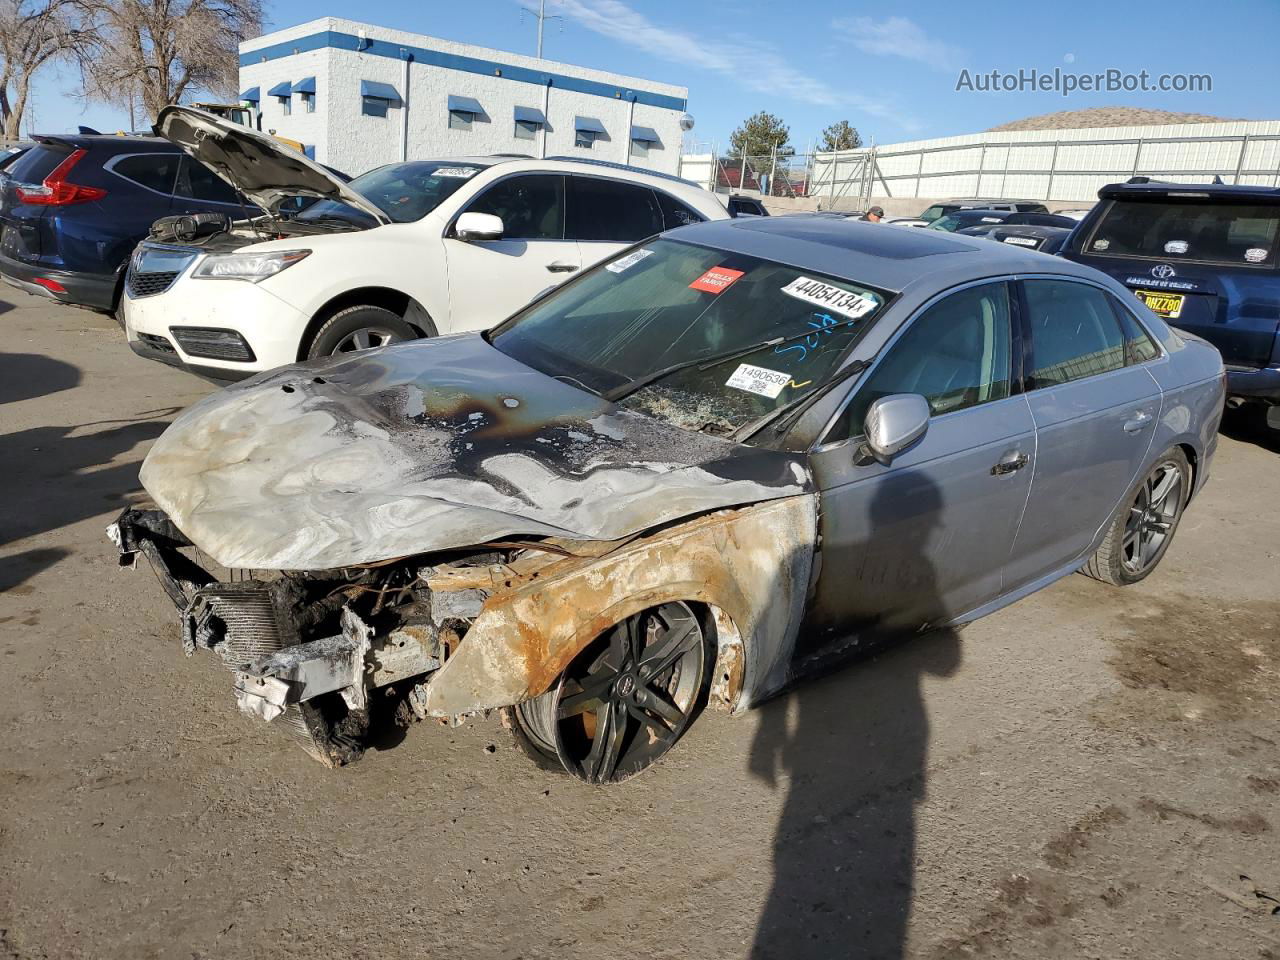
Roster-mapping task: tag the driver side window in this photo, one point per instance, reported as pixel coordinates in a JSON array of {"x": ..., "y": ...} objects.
[
  {"x": 531, "y": 207},
  {"x": 955, "y": 354}
]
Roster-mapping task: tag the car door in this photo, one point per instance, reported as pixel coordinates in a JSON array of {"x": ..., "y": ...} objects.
[
  {"x": 926, "y": 538},
  {"x": 605, "y": 216},
  {"x": 491, "y": 279},
  {"x": 1095, "y": 413}
]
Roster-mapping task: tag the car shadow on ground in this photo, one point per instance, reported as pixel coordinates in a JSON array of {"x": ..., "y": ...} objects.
[
  {"x": 851, "y": 752},
  {"x": 1248, "y": 424},
  {"x": 25, "y": 376}
]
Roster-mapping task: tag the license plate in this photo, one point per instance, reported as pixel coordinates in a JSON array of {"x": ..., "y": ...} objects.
[{"x": 1167, "y": 305}]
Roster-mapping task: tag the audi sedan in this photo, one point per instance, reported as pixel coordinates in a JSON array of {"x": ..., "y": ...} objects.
[{"x": 714, "y": 464}]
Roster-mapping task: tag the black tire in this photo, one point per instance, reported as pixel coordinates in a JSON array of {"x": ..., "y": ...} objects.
[
  {"x": 1141, "y": 532},
  {"x": 342, "y": 332}
]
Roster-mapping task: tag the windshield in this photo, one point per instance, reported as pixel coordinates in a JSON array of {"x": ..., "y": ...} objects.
[
  {"x": 1238, "y": 234},
  {"x": 672, "y": 302},
  {"x": 933, "y": 213},
  {"x": 403, "y": 191}
]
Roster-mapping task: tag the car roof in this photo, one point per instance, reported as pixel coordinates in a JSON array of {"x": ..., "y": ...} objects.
[
  {"x": 87, "y": 141},
  {"x": 870, "y": 253},
  {"x": 1177, "y": 191}
]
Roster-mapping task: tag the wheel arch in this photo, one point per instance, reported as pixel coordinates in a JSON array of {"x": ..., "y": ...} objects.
[{"x": 397, "y": 301}]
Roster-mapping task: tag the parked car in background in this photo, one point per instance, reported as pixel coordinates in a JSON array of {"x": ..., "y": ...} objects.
[
  {"x": 740, "y": 205},
  {"x": 1009, "y": 206},
  {"x": 1031, "y": 237},
  {"x": 10, "y": 154},
  {"x": 719, "y": 462},
  {"x": 73, "y": 207},
  {"x": 1206, "y": 258},
  {"x": 1077, "y": 214},
  {"x": 960, "y": 219},
  {"x": 407, "y": 250},
  {"x": 1019, "y": 220}
]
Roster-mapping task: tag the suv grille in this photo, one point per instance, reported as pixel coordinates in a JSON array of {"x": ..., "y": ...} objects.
[{"x": 149, "y": 284}]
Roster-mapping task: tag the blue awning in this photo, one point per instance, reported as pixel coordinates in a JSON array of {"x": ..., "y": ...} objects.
[
  {"x": 305, "y": 85},
  {"x": 588, "y": 123},
  {"x": 646, "y": 134},
  {"x": 530, "y": 115},
  {"x": 465, "y": 105},
  {"x": 379, "y": 91},
  {"x": 251, "y": 95},
  {"x": 281, "y": 89}
]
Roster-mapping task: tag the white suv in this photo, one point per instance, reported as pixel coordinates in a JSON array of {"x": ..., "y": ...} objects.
[{"x": 408, "y": 250}]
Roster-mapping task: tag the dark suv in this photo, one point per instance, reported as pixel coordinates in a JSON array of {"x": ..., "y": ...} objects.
[
  {"x": 73, "y": 207},
  {"x": 1205, "y": 258}
]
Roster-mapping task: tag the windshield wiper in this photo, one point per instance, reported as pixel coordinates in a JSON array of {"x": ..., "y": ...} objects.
[
  {"x": 791, "y": 411},
  {"x": 715, "y": 359}
]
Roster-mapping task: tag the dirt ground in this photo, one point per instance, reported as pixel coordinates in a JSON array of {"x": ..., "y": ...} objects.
[{"x": 1092, "y": 772}]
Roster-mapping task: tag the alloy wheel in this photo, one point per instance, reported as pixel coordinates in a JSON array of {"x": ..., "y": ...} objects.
[
  {"x": 1152, "y": 517},
  {"x": 625, "y": 700},
  {"x": 365, "y": 338}
]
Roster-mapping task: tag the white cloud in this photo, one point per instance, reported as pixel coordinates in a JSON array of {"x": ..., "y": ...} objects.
[
  {"x": 754, "y": 64},
  {"x": 898, "y": 37}
]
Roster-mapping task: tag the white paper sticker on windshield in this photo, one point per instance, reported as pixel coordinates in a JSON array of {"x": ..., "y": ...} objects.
[
  {"x": 1176, "y": 246},
  {"x": 758, "y": 380},
  {"x": 851, "y": 305},
  {"x": 459, "y": 172},
  {"x": 630, "y": 260},
  {"x": 1022, "y": 241},
  {"x": 992, "y": 220},
  {"x": 1255, "y": 254}
]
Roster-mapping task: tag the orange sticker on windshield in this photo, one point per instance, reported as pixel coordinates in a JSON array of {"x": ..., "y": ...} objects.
[{"x": 716, "y": 280}]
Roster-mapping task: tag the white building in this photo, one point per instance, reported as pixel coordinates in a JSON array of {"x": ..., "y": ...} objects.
[{"x": 359, "y": 96}]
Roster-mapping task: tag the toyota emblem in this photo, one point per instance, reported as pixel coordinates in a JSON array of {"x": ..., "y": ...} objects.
[{"x": 1162, "y": 271}]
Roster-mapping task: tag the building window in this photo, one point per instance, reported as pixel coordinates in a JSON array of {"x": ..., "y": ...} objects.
[
  {"x": 376, "y": 98},
  {"x": 585, "y": 139},
  {"x": 309, "y": 102},
  {"x": 286, "y": 105},
  {"x": 373, "y": 106},
  {"x": 526, "y": 130},
  {"x": 640, "y": 149},
  {"x": 461, "y": 119}
]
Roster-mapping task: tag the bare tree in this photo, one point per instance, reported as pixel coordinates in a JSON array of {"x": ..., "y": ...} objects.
[
  {"x": 33, "y": 33},
  {"x": 157, "y": 51}
]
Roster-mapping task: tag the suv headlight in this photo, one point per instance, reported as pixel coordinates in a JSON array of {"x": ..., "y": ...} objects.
[{"x": 248, "y": 266}]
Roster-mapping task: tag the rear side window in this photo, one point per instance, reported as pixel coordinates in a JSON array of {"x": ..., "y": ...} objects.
[
  {"x": 609, "y": 211},
  {"x": 155, "y": 171},
  {"x": 1074, "y": 332},
  {"x": 1238, "y": 234},
  {"x": 531, "y": 207},
  {"x": 36, "y": 164},
  {"x": 198, "y": 182},
  {"x": 1138, "y": 345},
  {"x": 674, "y": 213}
]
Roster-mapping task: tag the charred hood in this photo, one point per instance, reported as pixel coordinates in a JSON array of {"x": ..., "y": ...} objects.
[
  {"x": 432, "y": 445},
  {"x": 261, "y": 167}
]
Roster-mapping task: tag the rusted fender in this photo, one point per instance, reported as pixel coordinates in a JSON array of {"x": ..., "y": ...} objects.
[{"x": 750, "y": 565}]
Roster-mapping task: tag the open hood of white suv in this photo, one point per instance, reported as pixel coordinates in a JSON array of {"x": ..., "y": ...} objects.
[{"x": 261, "y": 167}]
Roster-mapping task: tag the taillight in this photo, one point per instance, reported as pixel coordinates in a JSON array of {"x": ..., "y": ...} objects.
[{"x": 56, "y": 191}]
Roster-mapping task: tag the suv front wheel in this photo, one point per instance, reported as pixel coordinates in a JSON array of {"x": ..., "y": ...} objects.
[{"x": 359, "y": 328}]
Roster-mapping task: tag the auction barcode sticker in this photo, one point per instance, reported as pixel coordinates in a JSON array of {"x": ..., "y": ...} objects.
[
  {"x": 758, "y": 380},
  {"x": 462, "y": 173},
  {"x": 630, "y": 260},
  {"x": 1022, "y": 241},
  {"x": 843, "y": 302}
]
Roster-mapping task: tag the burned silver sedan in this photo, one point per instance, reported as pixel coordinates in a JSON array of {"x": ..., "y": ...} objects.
[{"x": 729, "y": 457}]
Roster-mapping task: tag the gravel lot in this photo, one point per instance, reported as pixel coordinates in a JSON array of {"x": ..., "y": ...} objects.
[{"x": 1090, "y": 773}]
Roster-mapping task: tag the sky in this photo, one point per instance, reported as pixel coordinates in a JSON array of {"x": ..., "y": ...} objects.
[{"x": 890, "y": 70}]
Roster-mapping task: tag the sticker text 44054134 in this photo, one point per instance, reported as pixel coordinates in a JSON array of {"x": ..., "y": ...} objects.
[{"x": 844, "y": 302}]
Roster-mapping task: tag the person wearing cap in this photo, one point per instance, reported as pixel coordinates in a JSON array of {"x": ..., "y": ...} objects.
[{"x": 873, "y": 215}]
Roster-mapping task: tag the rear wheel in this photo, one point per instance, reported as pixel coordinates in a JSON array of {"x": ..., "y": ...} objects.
[
  {"x": 1143, "y": 529},
  {"x": 625, "y": 700},
  {"x": 359, "y": 328}
]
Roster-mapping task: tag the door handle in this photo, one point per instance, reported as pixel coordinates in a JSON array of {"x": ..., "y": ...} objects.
[
  {"x": 1137, "y": 422},
  {"x": 559, "y": 266},
  {"x": 1010, "y": 464}
]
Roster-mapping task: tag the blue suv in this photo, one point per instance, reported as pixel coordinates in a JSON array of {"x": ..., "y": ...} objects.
[
  {"x": 1203, "y": 256},
  {"x": 73, "y": 207}
]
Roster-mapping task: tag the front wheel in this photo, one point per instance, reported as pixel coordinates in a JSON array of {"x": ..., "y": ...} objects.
[
  {"x": 358, "y": 328},
  {"x": 625, "y": 700},
  {"x": 1143, "y": 529}
]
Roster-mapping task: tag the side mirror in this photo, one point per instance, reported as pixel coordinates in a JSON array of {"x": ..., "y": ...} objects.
[
  {"x": 478, "y": 226},
  {"x": 894, "y": 424}
]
